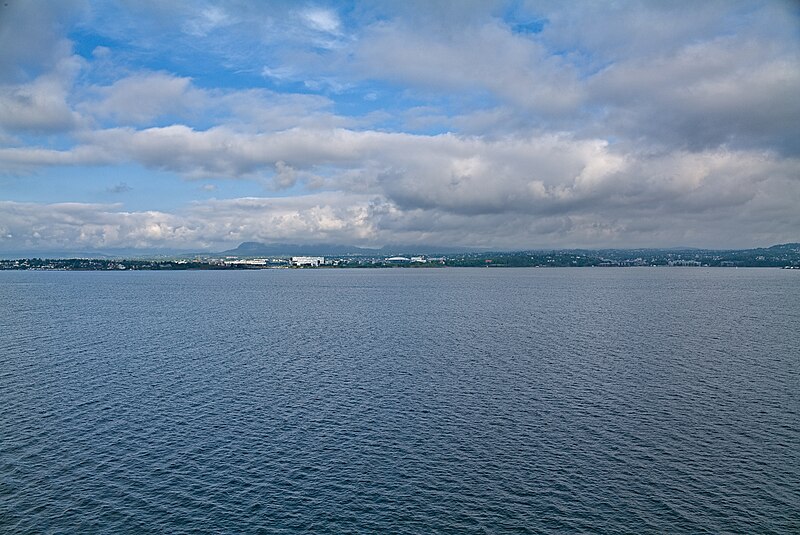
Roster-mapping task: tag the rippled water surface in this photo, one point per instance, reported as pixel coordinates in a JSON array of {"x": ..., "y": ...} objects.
[{"x": 653, "y": 400}]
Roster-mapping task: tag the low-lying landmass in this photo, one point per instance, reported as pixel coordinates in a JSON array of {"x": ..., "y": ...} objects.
[{"x": 777, "y": 256}]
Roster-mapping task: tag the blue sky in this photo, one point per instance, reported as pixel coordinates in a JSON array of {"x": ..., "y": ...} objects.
[{"x": 524, "y": 124}]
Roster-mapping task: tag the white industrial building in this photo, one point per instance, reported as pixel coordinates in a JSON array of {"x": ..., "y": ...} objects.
[
  {"x": 310, "y": 261},
  {"x": 248, "y": 262}
]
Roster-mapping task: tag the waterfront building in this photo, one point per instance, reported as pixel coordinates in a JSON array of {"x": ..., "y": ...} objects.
[{"x": 307, "y": 261}]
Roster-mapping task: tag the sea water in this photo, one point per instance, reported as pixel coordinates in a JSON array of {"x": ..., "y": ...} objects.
[{"x": 636, "y": 400}]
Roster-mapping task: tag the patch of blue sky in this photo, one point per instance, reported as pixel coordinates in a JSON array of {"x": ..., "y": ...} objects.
[
  {"x": 586, "y": 62},
  {"x": 198, "y": 122},
  {"x": 297, "y": 85},
  {"x": 520, "y": 19},
  {"x": 233, "y": 189},
  {"x": 297, "y": 190},
  {"x": 124, "y": 58},
  {"x": 85, "y": 43},
  {"x": 590, "y": 66},
  {"x": 394, "y": 107},
  {"x": 49, "y": 141},
  {"x": 366, "y": 98},
  {"x": 203, "y": 65},
  {"x": 176, "y": 192},
  {"x": 531, "y": 27},
  {"x": 66, "y": 184},
  {"x": 217, "y": 73},
  {"x": 135, "y": 187}
]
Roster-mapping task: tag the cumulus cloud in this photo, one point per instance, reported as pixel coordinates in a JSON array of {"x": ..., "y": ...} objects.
[
  {"x": 142, "y": 97},
  {"x": 211, "y": 223},
  {"x": 147, "y": 97},
  {"x": 87, "y": 226},
  {"x": 486, "y": 57},
  {"x": 723, "y": 92},
  {"x": 42, "y": 104},
  {"x": 36, "y": 107}
]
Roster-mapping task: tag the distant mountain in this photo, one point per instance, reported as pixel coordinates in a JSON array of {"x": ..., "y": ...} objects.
[
  {"x": 774, "y": 249},
  {"x": 787, "y": 247},
  {"x": 325, "y": 249},
  {"x": 251, "y": 248}
]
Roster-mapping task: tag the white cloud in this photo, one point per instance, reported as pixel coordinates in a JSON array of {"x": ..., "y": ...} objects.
[
  {"x": 324, "y": 20},
  {"x": 78, "y": 226},
  {"x": 207, "y": 20},
  {"x": 75, "y": 226},
  {"x": 141, "y": 98}
]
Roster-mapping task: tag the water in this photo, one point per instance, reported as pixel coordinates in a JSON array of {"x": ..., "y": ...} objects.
[{"x": 649, "y": 400}]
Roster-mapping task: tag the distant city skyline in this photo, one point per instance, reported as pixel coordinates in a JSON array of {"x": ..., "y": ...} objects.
[{"x": 497, "y": 125}]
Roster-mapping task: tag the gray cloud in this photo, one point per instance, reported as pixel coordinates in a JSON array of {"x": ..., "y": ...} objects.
[
  {"x": 41, "y": 105},
  {"x": 140, "y": 98},
  {"x": 31, "y": 37},
  {"x": 480, "y": 57},
  {"x": 725, "y": 92}
]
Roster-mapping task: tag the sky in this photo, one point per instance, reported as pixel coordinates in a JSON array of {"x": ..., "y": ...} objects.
[{"x": 502, "y": 125}]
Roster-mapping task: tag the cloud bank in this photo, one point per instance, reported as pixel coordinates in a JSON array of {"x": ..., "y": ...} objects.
[{"x": 502, "y": 125}]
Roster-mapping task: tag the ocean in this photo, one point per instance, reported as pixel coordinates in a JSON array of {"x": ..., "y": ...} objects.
[{"x": 576, "y": 400}]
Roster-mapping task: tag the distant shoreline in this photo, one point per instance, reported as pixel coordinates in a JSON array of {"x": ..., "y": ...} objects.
[
  {"x": 785, "y": 256},
  {"x": 127, "y": 265}
]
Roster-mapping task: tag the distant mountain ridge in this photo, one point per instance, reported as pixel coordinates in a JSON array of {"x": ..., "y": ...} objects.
[
  {"x": 251, "y": 248},
  {"x": 783, "y": 247}
]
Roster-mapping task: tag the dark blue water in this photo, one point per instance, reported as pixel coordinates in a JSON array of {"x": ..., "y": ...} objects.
[{"x": 649, "y": 400}]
